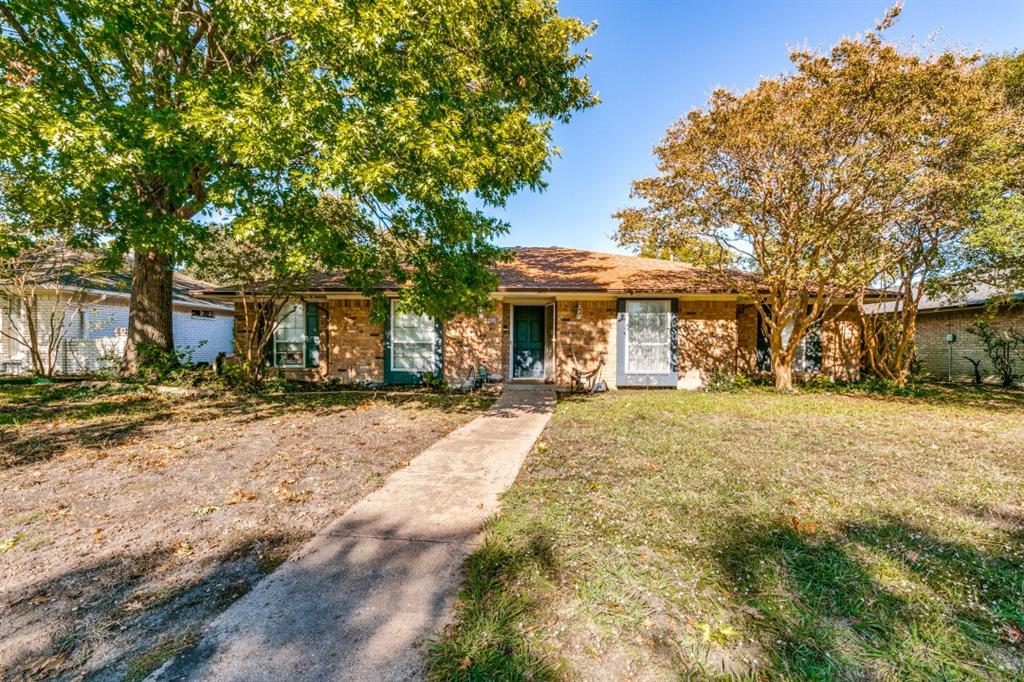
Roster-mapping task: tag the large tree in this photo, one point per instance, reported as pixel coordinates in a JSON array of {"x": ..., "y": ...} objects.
[
  {"x": 815, "y": 178},
  {"x": 147, "y": 120},
  {"x": 992, "y": 252}
]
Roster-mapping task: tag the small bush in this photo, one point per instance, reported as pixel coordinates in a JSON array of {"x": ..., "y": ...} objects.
[
  {"x": 434, "y": 382},
  {"x": 817, "y": 381},
  {"x": 726, "y": 382}
]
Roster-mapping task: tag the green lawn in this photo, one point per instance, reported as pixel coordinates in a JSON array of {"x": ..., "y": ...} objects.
[{"x": 671, "y": 535}]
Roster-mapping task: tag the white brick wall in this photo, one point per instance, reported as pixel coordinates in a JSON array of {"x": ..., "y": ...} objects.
[{"x": 190, "y": 333}]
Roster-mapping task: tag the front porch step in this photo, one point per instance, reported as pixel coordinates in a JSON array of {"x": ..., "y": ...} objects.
[{"x": 537, "y": 385}]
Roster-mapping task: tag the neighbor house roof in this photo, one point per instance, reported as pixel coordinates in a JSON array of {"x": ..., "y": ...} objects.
[
  {"x": 78, "y": 270},
  {"x": 182, "y": 287},
  {"x": 560, "y": 269},
  {"x": 977, "y": 297}
]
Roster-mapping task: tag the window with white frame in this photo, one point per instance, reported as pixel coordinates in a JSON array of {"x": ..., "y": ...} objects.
[
  {"x": 413, "y": 339},
  {"x": 648, "y": 337},
  {"x": 289, "y": 343}
]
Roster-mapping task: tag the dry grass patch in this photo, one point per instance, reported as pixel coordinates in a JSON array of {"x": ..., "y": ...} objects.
[{"x": 129, "y": 518}]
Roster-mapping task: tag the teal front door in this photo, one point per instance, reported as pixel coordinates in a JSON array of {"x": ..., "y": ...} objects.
[{"x": 528, "y": 342}]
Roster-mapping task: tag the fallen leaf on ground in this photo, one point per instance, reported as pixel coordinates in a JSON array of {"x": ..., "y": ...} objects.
[{"x": 241, "y": 496}]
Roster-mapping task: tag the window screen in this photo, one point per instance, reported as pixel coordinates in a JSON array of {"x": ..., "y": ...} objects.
[
  {"x": 412, "y": 341},
  {"x": 290, "y": 337},
  {"x": 648, "y": 337}
]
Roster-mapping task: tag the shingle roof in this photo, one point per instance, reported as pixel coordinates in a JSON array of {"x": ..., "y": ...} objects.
[
  {"x": 977, "y": 297},
  {"x": 74, "y": 271},
  {"x": 555, "y": 268},
  {"x": 182, "y": 287}
]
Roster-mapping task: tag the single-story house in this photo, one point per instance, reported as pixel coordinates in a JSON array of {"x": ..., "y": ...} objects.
[
  {"x": 653, "y": 322},
  {"x": 944, "y": 341},
  {"x": 92, "y": 313}
]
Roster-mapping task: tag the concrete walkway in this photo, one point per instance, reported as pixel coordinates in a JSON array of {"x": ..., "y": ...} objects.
[{"x": 358, "y": 601}]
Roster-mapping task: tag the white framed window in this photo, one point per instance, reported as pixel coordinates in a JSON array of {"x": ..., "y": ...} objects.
[
  {"x": 648, "y": 337},
  {"x": 289, "y": 343},
  {"x": 413, "y": 340}
]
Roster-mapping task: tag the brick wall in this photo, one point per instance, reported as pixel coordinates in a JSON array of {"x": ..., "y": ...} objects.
[
  {"x": 708, "y": 340},
  {"x": 840, "y": 347},
  {"x": 933, "y": 351},
  {"x": 712, "y": 335},
  {"x": 474, "y": 341},
  {"x": 580, "y": 343},
  {"x": 746, "y": 338},
  {"x": 202, "y": 337},
  {"x": 506, "y": 339},
  {"x": 355, "y": 345}
]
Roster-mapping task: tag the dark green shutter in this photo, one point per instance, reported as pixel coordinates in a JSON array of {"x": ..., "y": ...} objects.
[
  {"x": 763, "y": 349},
  {"x": 312, "y": 335}
]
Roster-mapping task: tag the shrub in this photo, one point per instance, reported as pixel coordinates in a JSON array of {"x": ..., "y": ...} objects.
[
  {"x": 722, "y": 381},
  {"x": 1000, "y": 347},
  {"x": 434, "y": 382}
]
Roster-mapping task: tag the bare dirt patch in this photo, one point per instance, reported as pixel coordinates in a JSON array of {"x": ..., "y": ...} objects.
[{"x": 129, "y": 519}]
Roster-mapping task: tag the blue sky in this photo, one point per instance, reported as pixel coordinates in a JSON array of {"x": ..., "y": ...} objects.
[{"x": 653, "y": 60}]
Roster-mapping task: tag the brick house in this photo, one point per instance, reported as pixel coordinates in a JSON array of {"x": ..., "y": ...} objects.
[
  {"x": 654, "y": 322},
  {"x": 944, "y": 341}
]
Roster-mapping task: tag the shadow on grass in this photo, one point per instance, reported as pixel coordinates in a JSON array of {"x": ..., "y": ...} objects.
[
  {"x": 111, "y": 416},
  {"x": 885, "y": 599},
  {"x": 488, "y": 641},
  {"x": 985, "y": 396},
  {"x": 125, "y": 607}
]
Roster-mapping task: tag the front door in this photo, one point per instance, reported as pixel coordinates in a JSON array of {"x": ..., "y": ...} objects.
[{"x": 528, "y": 342}]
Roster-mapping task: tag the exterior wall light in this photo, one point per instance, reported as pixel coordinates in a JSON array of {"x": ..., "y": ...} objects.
[{"x": 579, "y": 311}]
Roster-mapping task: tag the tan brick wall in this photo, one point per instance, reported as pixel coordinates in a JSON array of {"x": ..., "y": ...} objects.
[
  {"x": 474, "y": 341},
  {"x": 840, "y": 347},
  {"x": 707, "y": 340},
  {"x": 580, "y": 343},
  {"x": 355, "y": 345},
  {"x": 933, "y": 351},
  {"x": 712, "y": 335},
  {"x": 746, "y": 338},
  {"x": 506, "y": 340}
]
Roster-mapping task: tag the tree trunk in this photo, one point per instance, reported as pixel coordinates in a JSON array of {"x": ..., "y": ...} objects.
[
  {"x": 783, "y": 372},
  {"x": 150, "y": 308}
]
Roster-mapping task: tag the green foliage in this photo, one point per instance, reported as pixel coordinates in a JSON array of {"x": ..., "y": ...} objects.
[
  {"x": 143, "y": 122},
  {"x": 1001, "y": 347},
  {"x": 434, "y": 382},
  {"x": 723, "y": 381}
]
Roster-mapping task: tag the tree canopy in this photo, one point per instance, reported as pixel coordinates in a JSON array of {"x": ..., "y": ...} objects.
[
  {"x": 823, "y": 179},
  {"x": 141, "y": 123}
]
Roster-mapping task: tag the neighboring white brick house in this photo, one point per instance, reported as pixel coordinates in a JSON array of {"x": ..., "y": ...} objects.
[{"x": 96, "y": 328}]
